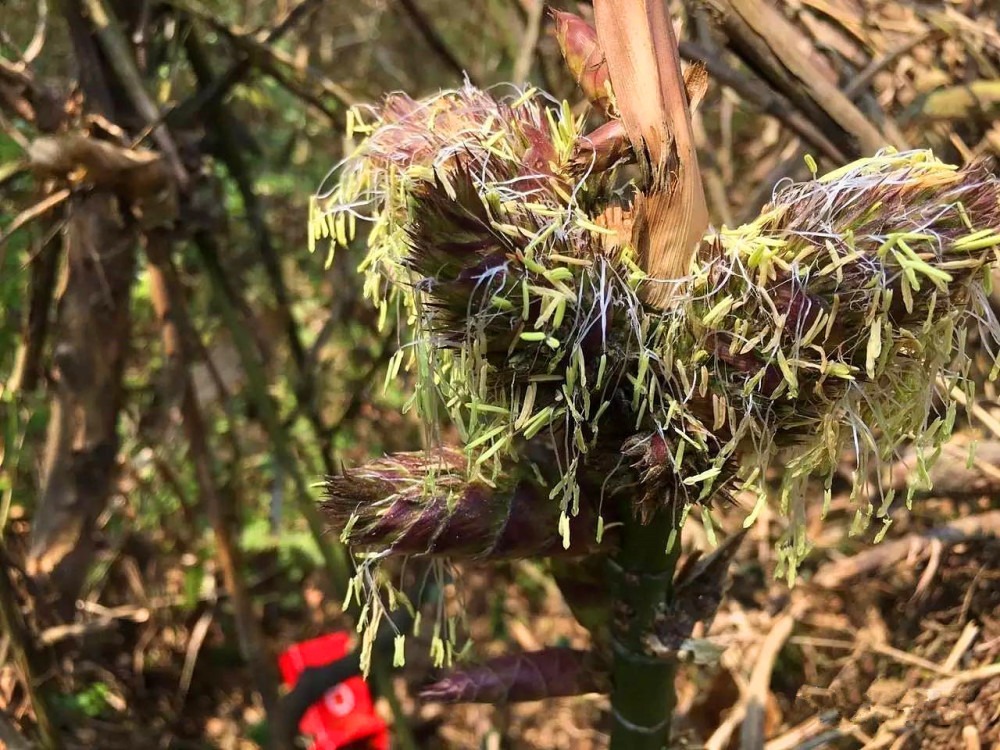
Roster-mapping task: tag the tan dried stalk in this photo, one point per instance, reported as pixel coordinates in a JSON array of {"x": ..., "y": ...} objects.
[{"x": 671, "y": 213}]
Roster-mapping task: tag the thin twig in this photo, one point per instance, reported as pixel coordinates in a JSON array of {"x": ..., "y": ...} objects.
[
  {"x": 752, "y": 731},
  {"x": 801, "y": 733},
  {"x": 27, "y": 368},
  {"x": 947, "y": 685},
  {"x": 26, "y": 657},
  {"x": 988, "y": 420},
  {"x": 264, "y": 55},
  {"x": 852, "y": 91},
  {"x": 765, "y": 99},
  {"x": 532, "y": 30},
  {"x": 970, "y": 736},
  {"x": 23, "y": 97},
  {"x": 177, "y": 332},
  {"x": 765, "y": 39},
  {"x": 715, "y": 185},
  {"x": 34, "y": 48},
  {"x": 120, "y": 58},
  {"x": 359, "y": 391},
  {"x": 11, "y": 737},
  {"x": 839, "y": 572},
  {"x": 790, "y": 161},
  {"x": 334, "y": 555},
  {"x": 232, "y": 157},
  {"x": 904, "y": 657},
  {"x": 190, "y": 107},
  {"x": 434, "y": 40},
  {"x": 36, "y": 211},
  {"x": 962, "y": 645},
  {"x": 198, "y": 634}
]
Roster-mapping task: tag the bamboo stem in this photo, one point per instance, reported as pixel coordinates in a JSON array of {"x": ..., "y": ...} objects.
[
  {"x": 335, "y": 558},
  {"x": 231, "y": 155},
  {"x": 643, "y": 696},
  {"x": 336, "y": 562},
  {"x": 178, "y": 334}
]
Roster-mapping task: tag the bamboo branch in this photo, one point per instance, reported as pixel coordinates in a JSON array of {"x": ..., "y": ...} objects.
[
  {"x": 304, "y": 82},
  {"x": 768, "y": 42},
  {"x": 220, "y": 88},
  {"x": 434, "y": 40},
  {"x": 232, "y": 157},
  {"x": 177, "y": 331},
  {"x": 116, "y": 47},
  {"x": 27, "y": 368},
  {"x": 89, "y": 354},
  {"x": 762, "y": 97},
  {"x": 335, "y": 557}
]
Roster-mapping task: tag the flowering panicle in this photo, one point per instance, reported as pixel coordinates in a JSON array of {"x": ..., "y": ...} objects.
[
  {"x": 828, "y": 321},
  {"x": 423, "y": 504},
  {"x": 821, "y": 324},
  {"x": 610, "y": 365},
  {"x": 532, "y": 676},
  {"x": 833, "y": 320}
]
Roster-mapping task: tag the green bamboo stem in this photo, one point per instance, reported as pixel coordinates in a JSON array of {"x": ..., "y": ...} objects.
[{"x": 643, "y": 696}]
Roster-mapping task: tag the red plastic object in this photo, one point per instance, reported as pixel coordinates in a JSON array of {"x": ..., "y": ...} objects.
[{"x": 346, "y": 715}]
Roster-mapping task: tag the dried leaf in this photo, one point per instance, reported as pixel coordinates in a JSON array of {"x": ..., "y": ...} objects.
[
  {"x": 99, "y": 163},
  {"x": 695, "y": 83},
  {"x": 772, "y": 45},
  {"x": 974, "y": 99}
]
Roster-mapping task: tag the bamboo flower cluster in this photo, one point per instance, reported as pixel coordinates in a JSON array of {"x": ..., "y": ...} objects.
[
  {"x": 611, "y": 363},
  {"x": 597, "y": 372},
  {"x": 823, "y": 324}
]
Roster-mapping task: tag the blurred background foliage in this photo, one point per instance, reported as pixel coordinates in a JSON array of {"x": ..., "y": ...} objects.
[{"x": 190, "y": 561}]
